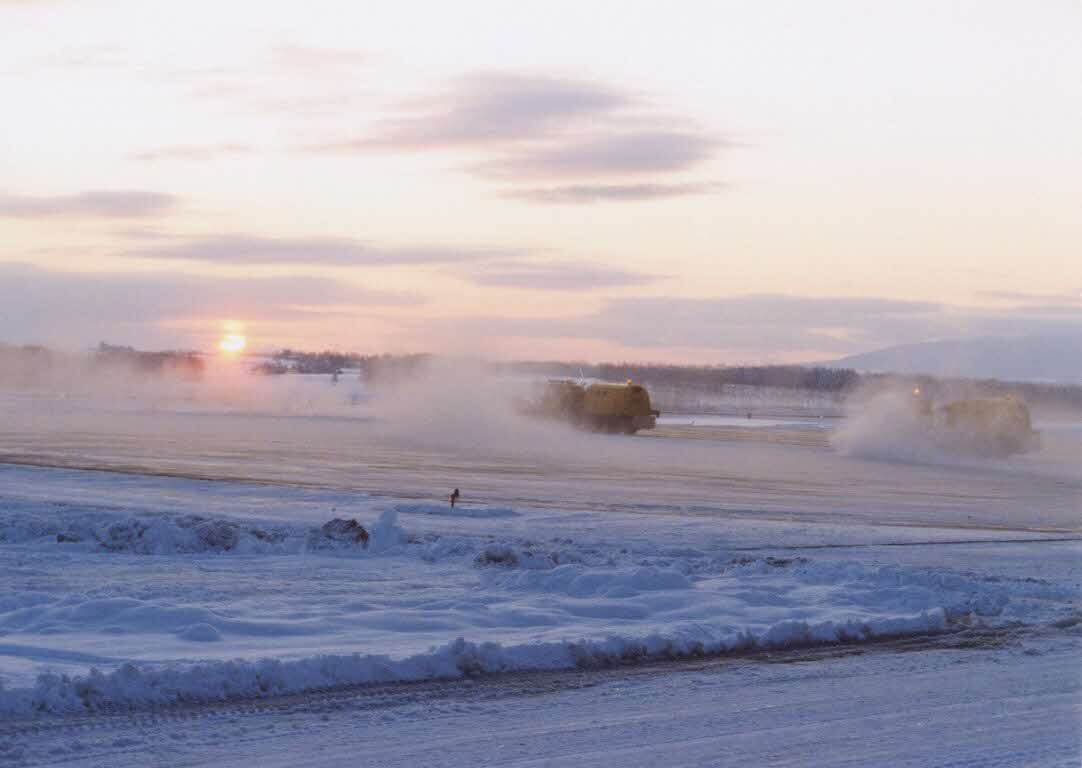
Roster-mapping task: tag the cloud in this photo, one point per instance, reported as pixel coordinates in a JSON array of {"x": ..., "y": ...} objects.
[
  {"x": 322, "y": 251},
  {"x": 145, "y": 308},
  {"x": 490, "y": 108},
  {"x": 307, "y": 59},
  {"x": 82, "y": 59},
  {"x": 193, "y": 152},
  {"x": 287, "y": 80},
  {"x": 578, "y": 194},
  {"x": 502, "y": 267},
  {"x": 107, "y": 204},
  {"x": 555, "y": 276},
  {"x": 759, "y": 322},
  {"x": 39, "y": 305},
  {"x": 777, "y": 326},
  {"x": 640, "y": 152},
  {"x": 528, "y": 128},
  {"x": 1065, "y": 298}
]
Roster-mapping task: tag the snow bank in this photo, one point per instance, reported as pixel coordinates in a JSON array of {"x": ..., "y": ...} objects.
[
  {"x": 187, "y": 534},
  {"x": 133, "y": 687}
]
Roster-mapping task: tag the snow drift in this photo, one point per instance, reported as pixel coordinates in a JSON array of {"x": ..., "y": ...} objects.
[{"x": 133, "y": 687}]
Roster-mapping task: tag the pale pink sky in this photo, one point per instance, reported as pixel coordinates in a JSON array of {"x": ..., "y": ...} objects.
[{"x": 712, "y": 182}]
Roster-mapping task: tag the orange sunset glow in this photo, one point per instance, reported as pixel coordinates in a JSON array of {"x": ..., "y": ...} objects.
[{"x": 232, "y": 344}]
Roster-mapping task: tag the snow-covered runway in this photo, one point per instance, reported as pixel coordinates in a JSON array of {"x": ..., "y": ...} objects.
[{"x": 132, "y": 591}]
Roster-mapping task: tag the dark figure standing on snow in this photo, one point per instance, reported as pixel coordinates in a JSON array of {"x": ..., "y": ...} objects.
[{"x": 454, "y": 497}]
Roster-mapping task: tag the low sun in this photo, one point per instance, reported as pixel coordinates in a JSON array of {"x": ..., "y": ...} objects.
[{"x": 232, "y": 343}]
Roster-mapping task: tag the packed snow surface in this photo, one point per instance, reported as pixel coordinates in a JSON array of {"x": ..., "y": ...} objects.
[
  {"x": 131, "y": 603},
  {"x": 176, "y": 553}
]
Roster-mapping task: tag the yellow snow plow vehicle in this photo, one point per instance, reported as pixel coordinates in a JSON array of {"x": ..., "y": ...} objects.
[
  {"x": 600, "y": 407},
  {"x": 990, "y": 426}
]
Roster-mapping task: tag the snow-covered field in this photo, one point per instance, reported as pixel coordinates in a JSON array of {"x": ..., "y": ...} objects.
[{"x": 163, "y": 557}]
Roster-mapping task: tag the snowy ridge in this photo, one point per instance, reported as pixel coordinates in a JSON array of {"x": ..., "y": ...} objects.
[
  {"x": 164, "y": 534},
  {"x": 133, "y": 687}
]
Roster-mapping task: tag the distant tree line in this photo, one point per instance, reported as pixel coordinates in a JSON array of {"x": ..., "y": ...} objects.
[
  {"x": 25, "y": 365},
  {"x": 31, "y": 365},
  {"x": 708, "y": 380},
  {"x": 703, "y": 378},
  {"x": 289, "y": 360},
  {"x": 189, "y": 364},
  {"x": 373, "y": 368}
]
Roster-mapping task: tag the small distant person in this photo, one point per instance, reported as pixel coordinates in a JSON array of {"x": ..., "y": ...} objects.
[{"x": 454, "y": 497}]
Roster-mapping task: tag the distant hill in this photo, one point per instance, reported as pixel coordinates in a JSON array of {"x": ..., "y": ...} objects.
[{"x": 1022, "y": 358}]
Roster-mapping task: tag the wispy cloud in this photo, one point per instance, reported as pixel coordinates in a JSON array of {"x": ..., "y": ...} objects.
[
  {"x": 194, "y": 152},
  {"x": 577, "y": 194},
  {"x": 39, "y": 304},
  {"x": 28, "y": 3},
  {"x": 555, "y": 276},
  {"x": 481, "y": 265},
  {"x": 46, "y": 305},
  {"x": 760, "y": 322},
  {"x": 524, "y": 128},
  {"x": 1019, "y": 297},
  {"x": 772, "y": 326},
  {"x": 322, "y": 251},
  {"x": 107, "y": 204},
  {"x": 100, "y": 57},
  {"x": 645, "y": 152},
  {"x": 490, "y": 108},
  {"x": 288, "y": 80},
  {"x": 308, "y": 59}
]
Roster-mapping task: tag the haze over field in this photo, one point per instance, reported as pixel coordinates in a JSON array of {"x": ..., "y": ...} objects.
[
  {"x": 1042, "y": 358},
  {"x": 731, "y": 183},
  {"x": 483, "y": 383}
]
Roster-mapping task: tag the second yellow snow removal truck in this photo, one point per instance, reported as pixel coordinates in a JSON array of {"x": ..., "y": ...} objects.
[
  {"x": 601, "y": 407},
  {"x": 990, "y": 426}
]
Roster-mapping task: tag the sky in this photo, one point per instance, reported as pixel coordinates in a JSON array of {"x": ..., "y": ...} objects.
[{"x": 715, "y": 182}]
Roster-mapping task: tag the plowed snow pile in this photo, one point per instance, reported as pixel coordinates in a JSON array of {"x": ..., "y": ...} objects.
[{"x": 125, "y": 606}]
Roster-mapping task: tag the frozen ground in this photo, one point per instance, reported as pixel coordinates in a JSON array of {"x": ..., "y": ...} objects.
[
  {"x": 1015, "y": 704},
  {"x": 595, "y": 601},
  {"x": 779, "y": 472}
]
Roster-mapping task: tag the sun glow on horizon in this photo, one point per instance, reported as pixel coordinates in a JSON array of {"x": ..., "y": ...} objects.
[{"x": 232, "y": 344}]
